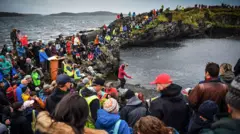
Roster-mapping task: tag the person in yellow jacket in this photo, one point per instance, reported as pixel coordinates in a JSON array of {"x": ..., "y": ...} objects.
[
  {"x": 121, "y": 28},
  {"x": 114, "y": 32},
  {"x": 90, "y": 94},
  {"x": 26, "y": 94},
  {"x": 68, "y": 68},
  {"x": 107, "y": 38}
]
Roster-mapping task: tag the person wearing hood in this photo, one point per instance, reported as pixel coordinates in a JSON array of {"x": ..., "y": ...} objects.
[
  {"x": 210, "y": 89},
  {"x": 43, "y": 58},
  {"x": 21, "y": 51},
  {"x": 5, "y": 66},
  {"x": 203, "y": 118},
  {"x": 133, "y": 110},
  {"x": 109, "y": 120},
  {"x": 69, "y": 117},
  {"x": 90, "y": 94},
  {"x": 226, "y": 73},
  {"x": 19, "y": 123},
  {"x": 229, "y": 125},
  {"x": 63, "y": 86},
  {"x": 169, "y": 106},
  {"x": 19, "y": 92},
  {"x": 121, "y": 74}
]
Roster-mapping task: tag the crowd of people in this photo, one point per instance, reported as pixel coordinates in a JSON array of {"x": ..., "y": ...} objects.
[{"x": 81, "y": 102}]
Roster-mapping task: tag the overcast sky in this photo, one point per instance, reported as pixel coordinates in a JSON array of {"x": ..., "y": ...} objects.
[{"x": 56, "y": 6}]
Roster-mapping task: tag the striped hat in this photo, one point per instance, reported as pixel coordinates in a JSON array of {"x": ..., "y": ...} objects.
[{"x": 111, "y": 106}]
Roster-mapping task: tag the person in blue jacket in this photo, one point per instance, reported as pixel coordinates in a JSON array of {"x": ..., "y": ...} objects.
[
  {"x": 43, "y": 59},
  {"x": 97, "y": 52},
  {"x": 21, "y": 51},
  {"x": 19, "y": 90},
  {"x": 109, "y": 120}
]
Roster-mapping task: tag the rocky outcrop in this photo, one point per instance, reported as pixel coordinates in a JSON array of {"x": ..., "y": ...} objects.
[{"x": 202, "y": 24}]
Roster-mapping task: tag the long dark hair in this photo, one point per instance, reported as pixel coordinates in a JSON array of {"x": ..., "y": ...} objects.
[{"x": 72, "y": 110}]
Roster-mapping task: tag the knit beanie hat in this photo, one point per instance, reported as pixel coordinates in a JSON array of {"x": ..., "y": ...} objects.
[
  {"x": 129, "y": 94},
  {"x": 46, "y": 86},
  {"x": 233, "y": 95},
  {"x": 208, "y": 109},
  {"x": 111, "y": 106}
]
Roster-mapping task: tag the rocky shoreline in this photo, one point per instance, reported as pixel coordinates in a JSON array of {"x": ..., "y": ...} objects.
[{"x": 224, "y": 23}]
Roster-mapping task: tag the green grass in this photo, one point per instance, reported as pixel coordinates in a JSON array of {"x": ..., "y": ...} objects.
[
  {"x": 162, "y": 18},
  {"x": 192, "y": 17}
]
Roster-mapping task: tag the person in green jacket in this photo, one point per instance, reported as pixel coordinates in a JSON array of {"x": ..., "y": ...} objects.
[
  {"x": 229, "y": 125},
  {"x": 5, "y": 66},
  {"x": 36, "y": 78}
]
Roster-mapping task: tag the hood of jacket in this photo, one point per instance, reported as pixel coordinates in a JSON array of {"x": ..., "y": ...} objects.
[
  {"x": 231, "y": 125},
  {"x": 134, "y": 101},
  {"x": 172, "y": 93},
  {"x": 106, "y": 120},
  {"x": 3, "y": 58},
  {"x": 86, "y": 92},
  {"x": 45, "y": 124},
  {"x": 227, "y": 77},
  {"x": 121, "y": 67}
]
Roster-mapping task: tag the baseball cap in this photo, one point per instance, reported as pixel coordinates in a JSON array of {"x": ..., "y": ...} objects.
[
  {"x": 63, "y": 79},
  {"x": 98, "y": 81},
  {"x": 162, "y": 79}
]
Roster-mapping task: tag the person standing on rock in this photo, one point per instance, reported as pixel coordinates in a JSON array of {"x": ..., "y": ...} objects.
[{"x": 121, "y": 74}]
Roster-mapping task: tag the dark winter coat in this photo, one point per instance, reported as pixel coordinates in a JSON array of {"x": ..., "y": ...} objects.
[
  {"x": 54, "y": 99},
  {"x": 171, "y": 108},
  {"x": 213, "y": 90},
  {"x": 133, "y": 111},
  {"x": 19, "y": 124},
  {"x": 224, "y": 126},
  {"x": 196, "y": 124}
]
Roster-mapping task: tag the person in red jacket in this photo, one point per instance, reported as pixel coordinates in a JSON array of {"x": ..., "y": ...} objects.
[
  {"x": 121, "y": 74},
  {"x": 109, "y": 89},
  {"x": 68, "y": 47},
  {"x": 24, "y": 41}
]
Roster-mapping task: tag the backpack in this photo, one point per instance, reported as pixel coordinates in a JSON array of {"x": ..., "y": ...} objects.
[
  {"x": 11, "y": 94},
  {"x": 116, "y": 127}
]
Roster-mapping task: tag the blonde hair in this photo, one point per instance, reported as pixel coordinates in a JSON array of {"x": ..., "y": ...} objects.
[{"x": 226, "y": 67}]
